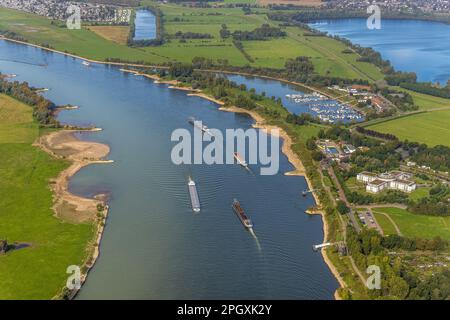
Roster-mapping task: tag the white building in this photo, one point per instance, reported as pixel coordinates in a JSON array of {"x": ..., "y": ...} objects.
[
  {"x": 376, "y": 186},
  {"x": 394, "y": 180},
  {"x": 366, "y": 177}
]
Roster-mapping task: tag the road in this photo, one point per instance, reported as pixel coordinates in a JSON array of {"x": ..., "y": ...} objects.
[{"x": 342, "y": 197}]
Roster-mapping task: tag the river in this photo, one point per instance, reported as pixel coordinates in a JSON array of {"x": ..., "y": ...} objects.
[
  {"x": 415, "y": 46},
  {"x": 153, "y": 246}
]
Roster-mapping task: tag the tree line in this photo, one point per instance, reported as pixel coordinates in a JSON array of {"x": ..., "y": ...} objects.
[{"x": 43, "y": 108}]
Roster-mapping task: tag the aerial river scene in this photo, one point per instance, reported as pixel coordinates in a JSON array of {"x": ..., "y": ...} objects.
[
  {"x": 153, "y": 245},
  {"x": 224, "y": 155}
]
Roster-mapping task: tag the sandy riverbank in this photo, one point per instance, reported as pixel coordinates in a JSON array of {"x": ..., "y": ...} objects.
[
  {"x": 87, "y": 203},
  {"x": 63, "y": 144}
]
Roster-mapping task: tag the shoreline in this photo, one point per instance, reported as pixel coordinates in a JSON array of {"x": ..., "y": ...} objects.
[
  {"x": 63, "y": 144},
  {"x": 286, "y": 145},
  {"x": 67, "y": 54},
  {"x": 287, "y": 150},
  {"x": 295, "y": 160}
]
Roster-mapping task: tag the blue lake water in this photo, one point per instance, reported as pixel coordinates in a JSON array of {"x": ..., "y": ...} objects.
[
  {"x": 410, "y": 45},
  {"x": 145, "y": 25},
  {"x": 154, "y": 247}
]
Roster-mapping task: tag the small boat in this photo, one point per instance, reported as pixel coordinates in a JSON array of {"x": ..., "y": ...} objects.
[
  {"x": 241, "y": 214},
  {"x": 240, "y": 160},
  {"x": 85, "y": 63},
  {"x": 195, "y": 202},
  {"x": 198, "y": 124}
]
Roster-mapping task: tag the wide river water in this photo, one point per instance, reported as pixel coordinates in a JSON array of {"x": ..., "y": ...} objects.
[
  {"x": 153, "y": 246},
  {"x": 410, "y": 45}
]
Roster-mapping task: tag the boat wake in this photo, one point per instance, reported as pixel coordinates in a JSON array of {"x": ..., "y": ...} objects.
[
  {"x": 24, "y": 62},
  {"x": 252, "y": 232}
]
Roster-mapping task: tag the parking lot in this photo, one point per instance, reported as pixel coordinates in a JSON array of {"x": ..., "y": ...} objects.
[{"x": 367, "y": 219}]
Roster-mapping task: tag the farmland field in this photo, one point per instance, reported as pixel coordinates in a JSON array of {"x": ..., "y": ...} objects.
[
  {"x": 118, "y": 34},
  {"x": 102, "y": 42},
  {"x": 431, "y": 128},
  {"x": 39, "y": 270}
]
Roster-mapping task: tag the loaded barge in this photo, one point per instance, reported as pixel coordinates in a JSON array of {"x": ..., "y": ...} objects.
[
  {"x": 241, "y": 214},
  {"x": 195, "y": 202}
]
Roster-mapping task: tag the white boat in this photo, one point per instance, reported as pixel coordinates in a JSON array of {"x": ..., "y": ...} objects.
[
  {"x": 198, "y": 124},
  {"x": 240, "y": 160},
  {"x": 85, "y": 63}
]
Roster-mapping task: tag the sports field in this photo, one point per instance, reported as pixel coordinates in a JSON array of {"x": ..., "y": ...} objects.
[
  {"x": 431, "y": 128},
  {"x": 37, "y": 271}
]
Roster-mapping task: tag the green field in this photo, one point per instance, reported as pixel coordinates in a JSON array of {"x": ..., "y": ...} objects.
[
  {"x": 38, "y": 271},
  {"x": 431, "y": 128},
  {"x": 386, "y": 225},
  {"x": 427, "y": 102},
  {"x": 325, "y": 53},
  {"x": 414, "y": 225}
]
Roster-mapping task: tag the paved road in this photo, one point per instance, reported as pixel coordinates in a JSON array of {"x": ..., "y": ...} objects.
[{"x": 342, "y": 197}]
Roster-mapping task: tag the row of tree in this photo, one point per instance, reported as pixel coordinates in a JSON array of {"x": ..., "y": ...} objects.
[
  {"x": 398, "y": 281},
  {"x": 42, "y": 108},
  {"x": 262, "y": 33}
]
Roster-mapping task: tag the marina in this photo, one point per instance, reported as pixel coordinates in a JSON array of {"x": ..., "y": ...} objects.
[
  {"x": 298, "y": 100},
  {"x": 324, "y": 108}
]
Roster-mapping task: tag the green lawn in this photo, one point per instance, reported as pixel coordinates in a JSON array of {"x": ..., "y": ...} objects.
[
  {"x": 426, "y": 102},
  {"x": 431, "y": 128},
  {"x": 15, "y": 124},
  {"x": 415, "y": 225},
  {"x": 419, "y": 193},
  {"x": 38, "y": 271},
  {"x": 386, "y": 225}
]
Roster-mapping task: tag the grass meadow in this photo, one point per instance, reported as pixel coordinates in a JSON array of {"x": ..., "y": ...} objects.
[{"x": 39, "y": 270}]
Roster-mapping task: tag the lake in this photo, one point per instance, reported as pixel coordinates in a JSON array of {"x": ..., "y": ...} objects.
[
  {"x": 154, "y": 246},
  {"x": 410, "y": 45},
  {"x": 145, "y": 25}
]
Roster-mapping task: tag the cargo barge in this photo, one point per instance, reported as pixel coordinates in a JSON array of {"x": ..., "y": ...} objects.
[
  {"x": 195, "y": 202},
  {"x": 241, "y": 214}
]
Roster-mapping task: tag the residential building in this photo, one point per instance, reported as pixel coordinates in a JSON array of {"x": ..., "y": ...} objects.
[{"x": 394, "y": 180}]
